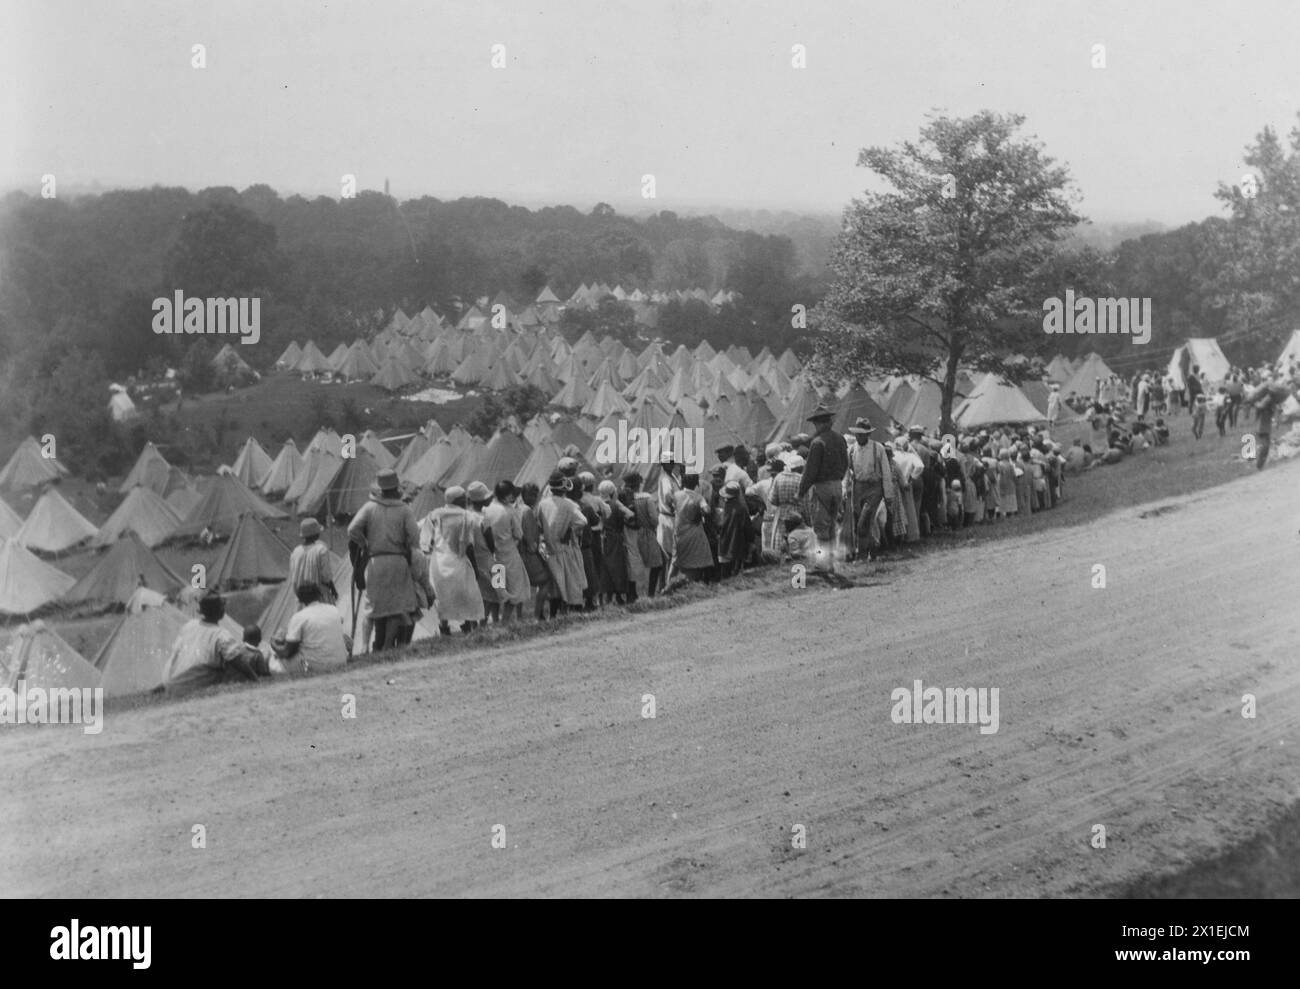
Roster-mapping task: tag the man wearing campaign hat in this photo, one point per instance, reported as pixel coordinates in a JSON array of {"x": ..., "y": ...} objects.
[
  {"x": 381, "y": 537},
  {"x": 822, "y": 483},
  {"x": 309, "y": 563}
]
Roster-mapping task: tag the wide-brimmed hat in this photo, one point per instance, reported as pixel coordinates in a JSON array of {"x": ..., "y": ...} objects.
[
  {"x": 915, "y": 430},
  {"x": 821, "y": 414},
  {"x": 478, "y": 492},
  {"x": 387, "y": 480},
  {"x": 309, "y": 527},
  {"x": 731, "y": 489},
  {"x": 567, "y": 465},
  {"x": 862, "y": 427}
]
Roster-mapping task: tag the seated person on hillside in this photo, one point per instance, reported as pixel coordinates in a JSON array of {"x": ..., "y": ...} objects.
[
  {"x": 264, "y": 662},
  {"x": 316, "y": 634},
  {"x": 801, "y": 541},
  {"x": 206, "y": 654},
  {"x": 1077, "y": 458},
  {"x": 1162, "y": 433},
  {"x": 1112, "y": 456}
]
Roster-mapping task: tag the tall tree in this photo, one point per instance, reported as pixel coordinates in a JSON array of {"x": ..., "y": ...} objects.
[
  {"x": 1260, "y": 277},
  {"x": 934, "y": 273}
]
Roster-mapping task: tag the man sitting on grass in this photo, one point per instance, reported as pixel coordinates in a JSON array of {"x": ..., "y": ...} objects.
[
  {"x": 315, "y": 634},
  {"x": 206, "y": 654}
]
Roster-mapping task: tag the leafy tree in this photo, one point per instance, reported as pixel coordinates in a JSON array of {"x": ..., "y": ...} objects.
[{"x": 934, "y": 273}]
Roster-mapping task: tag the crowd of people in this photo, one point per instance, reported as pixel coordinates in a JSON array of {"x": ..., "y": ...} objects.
[{"x": 581, "y": 543}]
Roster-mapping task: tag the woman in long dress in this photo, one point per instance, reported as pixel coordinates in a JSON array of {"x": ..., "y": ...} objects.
[
  {"x": 693, "y": 555},
  {"x": 562, "y": 527},
  {"x": 447, "y": 537},
  {"x": 501, "y": 519},
  {"x": 1006, "y": 480},
  {"x": 645, "y": 558},
  {"x": 530, "y": 548}
]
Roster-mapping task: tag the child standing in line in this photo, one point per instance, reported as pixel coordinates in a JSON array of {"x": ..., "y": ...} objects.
[{"x": 1198, "y": 416}]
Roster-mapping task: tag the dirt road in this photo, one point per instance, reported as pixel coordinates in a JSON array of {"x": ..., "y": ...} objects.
[{"x": 1118, "y": 706}]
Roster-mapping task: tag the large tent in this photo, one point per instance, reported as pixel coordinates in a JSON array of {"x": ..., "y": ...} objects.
[
  {"x": 26, "y": 582},
  {"x": 133, "y": 659},
  {"x": 29, "y": 468},
  {"x": 995, "y": 402},
  {"x": 253, "y": 553},
  {"x": 1084, "y": 380},
  {"x": 348, "y": 489},
  {"x": 253, "y": 464},
  {"x": 39, "y": 657},
  {"x": 503, "y": 457},
  {"x": 143, "y": 513},
  {"x": 284, "y": 469},
  {"x": 221, "y": 506},
  {"x": 128, "y": 566},
  {"x": 54, "y": 526},
  {"x": 10, "y": 521},
  {"x": 857, "y": 404},
  {"x": 1203, "y": 353},
  {"x": 150, "y": 469}
]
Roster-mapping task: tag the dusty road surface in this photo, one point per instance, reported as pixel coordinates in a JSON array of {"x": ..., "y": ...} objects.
[{"x": 1119, "y": 707}]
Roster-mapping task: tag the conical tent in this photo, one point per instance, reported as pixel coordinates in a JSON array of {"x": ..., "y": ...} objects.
[
  {"x": 802, "y": 403},
  {"x": 393, "y": 375},
  {"x": 253, "y": 553},
  {"x": 53, "y": 525},
  {"x": 373, "y": 445},
  {"x": 284, "y": 469},
  {"x": 182, "y": 500},
  {"x": 503, "y": 457},
  {"x": 27, "y": 468},
  {"x": 143, "y": 513},
  {"x": 464, "y": 469},
  {"x": 312, "y": 361},
  {"x": 347, "y": 491},
  {"x": 133, "y": 659},
  {"x": 39, "y": 657},
  {"x": 291, "y": 356},
  {"x": 337, "y": 355},
  {"x": 996, "y": 402},
  {"x": 253, "y": 464},
  {"x": 150, "y": 469},
  {"x": 1084, "y": 380},
  {"x": 415, "y": 448},
  {"x": 857, "y": 404},
  {"x": 1290, "y": 353},
  {"x": 27, "y": 583},
  {"x": 539, "y": 465},
  {"x": 1060, "y": 369},
  {"x": 129, "y": 565},
  {"x": 226, "y": 499},
  {"x": 10, "y": 521},
  {"x": 317, "y": 475},
  {"x": 356, "y": 364},
  {"x": 426, "y": 500},
  {"x": 430, "y": 467}
]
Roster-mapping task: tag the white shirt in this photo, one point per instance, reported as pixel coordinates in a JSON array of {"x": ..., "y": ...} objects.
[{"x": 318, "y": 628}]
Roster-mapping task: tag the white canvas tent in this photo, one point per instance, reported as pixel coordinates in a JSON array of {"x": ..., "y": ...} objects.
[{"x": 1204, "y": 353}]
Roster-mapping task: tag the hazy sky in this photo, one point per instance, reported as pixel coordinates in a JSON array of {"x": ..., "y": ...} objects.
[{"x": 595, "y": 94}]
